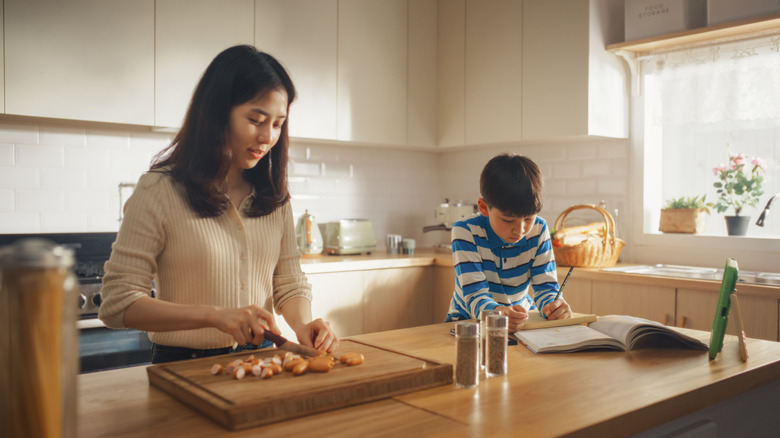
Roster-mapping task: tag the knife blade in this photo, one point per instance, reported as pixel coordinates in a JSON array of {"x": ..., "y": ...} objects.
[{"x": 282, "y": 343}]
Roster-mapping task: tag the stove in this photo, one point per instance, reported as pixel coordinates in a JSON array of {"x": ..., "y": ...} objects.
[{"x": 100, "y": 348}]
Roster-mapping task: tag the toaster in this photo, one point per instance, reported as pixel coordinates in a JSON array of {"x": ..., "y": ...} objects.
[{"x": 349, "y": 236}]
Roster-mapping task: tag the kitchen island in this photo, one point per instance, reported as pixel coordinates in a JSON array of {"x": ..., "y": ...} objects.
[{"x": 650, "y": 392}]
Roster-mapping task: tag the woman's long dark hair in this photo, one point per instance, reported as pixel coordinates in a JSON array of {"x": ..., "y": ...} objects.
[{"x": 198, "y": 157}]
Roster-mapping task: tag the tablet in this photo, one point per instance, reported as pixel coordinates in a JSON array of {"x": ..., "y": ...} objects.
[{"x": 727, "y": 286}]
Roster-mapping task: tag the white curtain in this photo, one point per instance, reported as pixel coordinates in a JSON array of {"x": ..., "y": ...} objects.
[{"x": 701, "y": 103}]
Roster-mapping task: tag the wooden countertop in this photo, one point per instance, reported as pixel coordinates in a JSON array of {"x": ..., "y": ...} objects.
[
  {"x": 597, "y": 393},
  {"x": 326, "y": 263},
  {"x": 433, "y": 257}
]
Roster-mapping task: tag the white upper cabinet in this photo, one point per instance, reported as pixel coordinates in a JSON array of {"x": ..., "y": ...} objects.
[
  {"x": 571, "y": 85},
  {"x": 422, "y": 46},
  {"x": 2, "y": 69},
  {"x": 302, "y": 35},
  {"x": 534, "y": 70},
  {"x": 480, "y": 68},
  {"x": 80, "y": 59},
  {"x": 189, "y": 34},
  {"x": 493, "y": 71},
  {"x": 372, "y": 71}
]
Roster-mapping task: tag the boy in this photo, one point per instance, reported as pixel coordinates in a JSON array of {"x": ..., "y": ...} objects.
[{"x": 507, "y": 248}]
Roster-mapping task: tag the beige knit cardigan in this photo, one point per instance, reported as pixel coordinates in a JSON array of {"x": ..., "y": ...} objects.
[{"x": 228, "y": 261}]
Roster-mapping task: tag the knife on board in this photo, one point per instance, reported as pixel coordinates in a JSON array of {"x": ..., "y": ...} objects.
[{"x": 284, "y": 344}]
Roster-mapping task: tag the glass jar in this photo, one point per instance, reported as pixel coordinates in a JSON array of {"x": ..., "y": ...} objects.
[
  {"x": 483, "y": 316},
  {"x": 467, "y": 354},
  {"x": 497, "y": 337},
  {"x": 38, "y": 340}
]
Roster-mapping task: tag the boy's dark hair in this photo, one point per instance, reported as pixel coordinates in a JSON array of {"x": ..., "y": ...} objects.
[
  {"x": 512, "y": 184},
  {"x": 199, "y": 157}
]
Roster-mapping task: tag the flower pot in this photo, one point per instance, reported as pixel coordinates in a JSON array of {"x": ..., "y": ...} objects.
[
  {"x": 682, "y": 220},
  {"x": 737, "y": 225}
]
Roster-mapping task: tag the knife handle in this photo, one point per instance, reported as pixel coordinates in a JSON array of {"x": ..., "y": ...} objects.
[{"x": 273, "y": 337}]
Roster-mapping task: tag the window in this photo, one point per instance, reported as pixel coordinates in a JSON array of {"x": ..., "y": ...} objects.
[{"x": 698, "y": 105}]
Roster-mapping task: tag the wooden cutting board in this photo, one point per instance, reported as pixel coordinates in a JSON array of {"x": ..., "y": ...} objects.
[{"x": 251, "y": 401}]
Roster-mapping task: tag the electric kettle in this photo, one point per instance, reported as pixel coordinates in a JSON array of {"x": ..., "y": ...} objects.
[{"x": 308, "y": 236}]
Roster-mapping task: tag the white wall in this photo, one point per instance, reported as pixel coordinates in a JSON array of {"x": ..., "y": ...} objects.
[{"x": 64, "y": 177}]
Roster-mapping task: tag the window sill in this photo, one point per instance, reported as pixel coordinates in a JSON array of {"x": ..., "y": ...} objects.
[{"x": 751, "y": 252}]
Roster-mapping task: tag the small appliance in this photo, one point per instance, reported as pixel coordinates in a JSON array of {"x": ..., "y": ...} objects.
[{"x": 349, "y": 236}]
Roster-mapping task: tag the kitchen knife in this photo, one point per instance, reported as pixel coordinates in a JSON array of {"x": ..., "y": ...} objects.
[{"x": 284, "y": 344}]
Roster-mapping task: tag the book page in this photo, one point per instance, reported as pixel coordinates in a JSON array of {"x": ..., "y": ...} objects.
[
  {"x": 632, "y": 331},
  {"x": 566, "y": 339}
]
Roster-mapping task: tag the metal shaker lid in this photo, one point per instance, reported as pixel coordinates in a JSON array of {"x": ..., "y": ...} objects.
[{"x": 35, "y": 253}]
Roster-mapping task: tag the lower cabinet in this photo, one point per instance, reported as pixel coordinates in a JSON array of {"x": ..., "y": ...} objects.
[
  {"x": 650, "y": 302},
  {"x": 695, "y": 310},
  {"x": 357, "y": 302}
]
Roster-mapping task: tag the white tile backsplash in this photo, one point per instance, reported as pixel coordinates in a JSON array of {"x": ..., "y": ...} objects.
[
  {"x": 7, "y": 155},
  {"x": 68, "y": 177}
]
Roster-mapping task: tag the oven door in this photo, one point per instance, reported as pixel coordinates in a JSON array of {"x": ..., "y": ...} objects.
[{"x": 102, "y": 348}]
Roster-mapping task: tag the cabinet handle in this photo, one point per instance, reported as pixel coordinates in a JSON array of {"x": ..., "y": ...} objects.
[{"x": 681, "y": 321}]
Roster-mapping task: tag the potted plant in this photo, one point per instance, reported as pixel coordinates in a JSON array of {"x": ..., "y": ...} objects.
[
  {"x": 738, "y": 185},
  {"x": 684, "y": 215}
]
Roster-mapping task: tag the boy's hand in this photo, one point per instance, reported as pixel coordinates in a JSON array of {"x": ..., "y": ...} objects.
[
  {"x": 558, "y": 309},
  {"x": 517, "y": 316}
]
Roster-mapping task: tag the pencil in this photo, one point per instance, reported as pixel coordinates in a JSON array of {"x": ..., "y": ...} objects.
[{"x": 563, "y": 284}]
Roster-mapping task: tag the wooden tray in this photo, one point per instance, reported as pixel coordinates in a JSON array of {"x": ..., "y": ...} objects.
[{"x": 251, "y": 401}]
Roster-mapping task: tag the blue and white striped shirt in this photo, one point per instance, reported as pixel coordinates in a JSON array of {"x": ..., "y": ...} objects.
[{"x": 490, "y": 272}]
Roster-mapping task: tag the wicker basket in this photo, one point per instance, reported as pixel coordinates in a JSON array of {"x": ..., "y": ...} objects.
[{"x": 597, "y": 252}]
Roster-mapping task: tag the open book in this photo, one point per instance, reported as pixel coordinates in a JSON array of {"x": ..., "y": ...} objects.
[{"x": 612, "y": 332}]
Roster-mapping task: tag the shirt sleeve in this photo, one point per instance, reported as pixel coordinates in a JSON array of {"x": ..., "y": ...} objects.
[
  {"x": 544, "y": 276},
  {"x": 289, "y": 280},
  {"x": 133, "y": 261},
  {"x": 474, "y": 291}
]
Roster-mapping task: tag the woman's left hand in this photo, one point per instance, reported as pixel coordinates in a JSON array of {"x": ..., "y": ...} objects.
[
  {"x": 319, "y": 335},
  {"x": 558, "y": 309}
]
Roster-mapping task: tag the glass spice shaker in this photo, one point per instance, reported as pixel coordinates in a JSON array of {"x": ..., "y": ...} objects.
[
  {"x": 39, "y": 338},
  {"x": 483, "y": 316},
  {"x": 467, "y": 352},
  {"x": 497, "y": 333}
]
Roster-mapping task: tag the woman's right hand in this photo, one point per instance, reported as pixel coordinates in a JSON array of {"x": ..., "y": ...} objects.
[{"x": 246, "y": 324}]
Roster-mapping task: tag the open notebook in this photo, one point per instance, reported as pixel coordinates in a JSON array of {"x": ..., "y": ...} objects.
[{"x": 612, "y": 332}]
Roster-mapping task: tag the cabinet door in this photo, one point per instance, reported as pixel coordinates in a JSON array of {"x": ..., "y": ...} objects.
[
  {"x": 493, "y": 71},
  {"x": 397, "y": 298},
  {"x": 338, "y": 298},
  {"x": 372, "y": 71},
  {"x": 555, "y": 68},
  {"x": 2, "y": 65},
  {"x": 650, "y": 302},
  {"x": 577, "y": 293},
  {"x": 189, "y": 34},
  {"x": 696, "y": 310},
  {"x": 302, "y": 34},
  {"x": 443, "y": 286},
  {"x": 451, "y": 74},
  {"x": 80, "y": 59},
  {"x": 421, "y": 111}
]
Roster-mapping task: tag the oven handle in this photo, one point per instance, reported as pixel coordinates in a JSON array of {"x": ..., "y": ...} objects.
[{"x": 89, "y": 323}]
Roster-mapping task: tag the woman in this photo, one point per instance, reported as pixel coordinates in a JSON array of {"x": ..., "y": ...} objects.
[{"x": 211, "y": 224}]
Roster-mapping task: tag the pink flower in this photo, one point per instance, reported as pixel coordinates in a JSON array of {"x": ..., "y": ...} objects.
[
  {"x": 737, "y": 159},
  {"x": 718, "y": 169},
  {"x": 758, "y": 162}
]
